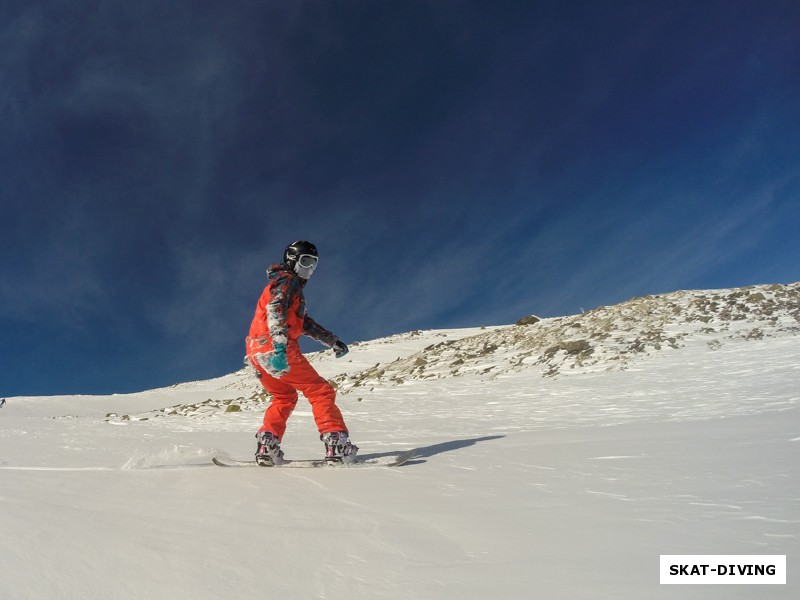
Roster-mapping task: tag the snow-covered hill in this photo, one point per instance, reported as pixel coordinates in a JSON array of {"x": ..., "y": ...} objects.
[
  {"x": 604, "y": 339},
  {"x": 557, "y": 459}
]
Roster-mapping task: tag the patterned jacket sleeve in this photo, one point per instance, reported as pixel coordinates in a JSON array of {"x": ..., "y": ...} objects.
[
  {"x": 316, "y": 331},
  {"x": 280, "y": 299}
]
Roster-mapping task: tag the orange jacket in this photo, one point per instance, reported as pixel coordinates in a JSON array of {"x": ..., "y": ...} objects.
[{"x": 281, "y": 311}]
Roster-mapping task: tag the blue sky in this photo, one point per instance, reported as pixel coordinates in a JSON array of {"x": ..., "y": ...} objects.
[{"x": 456, "y": 163}]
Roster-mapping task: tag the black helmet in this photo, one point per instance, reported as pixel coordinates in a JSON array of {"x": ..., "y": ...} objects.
[{"x": 301, "y": 257}]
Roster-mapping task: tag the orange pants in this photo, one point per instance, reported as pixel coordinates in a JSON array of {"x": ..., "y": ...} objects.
[{"x": 301, "y": 377}]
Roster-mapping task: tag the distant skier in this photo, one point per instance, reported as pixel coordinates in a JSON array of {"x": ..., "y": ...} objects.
[
  {"x": 2, "y": 402},
  {"x": 273, "y": 350}
]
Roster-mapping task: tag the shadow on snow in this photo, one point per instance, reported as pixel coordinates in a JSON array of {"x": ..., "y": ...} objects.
[{"x": 425, "y": 452}]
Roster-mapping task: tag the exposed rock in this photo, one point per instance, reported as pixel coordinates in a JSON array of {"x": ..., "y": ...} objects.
[{"x": 529, "y": 320}]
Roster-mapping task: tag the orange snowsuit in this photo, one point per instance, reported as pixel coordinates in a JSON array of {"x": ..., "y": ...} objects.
[{"x": 281, "y": 318}]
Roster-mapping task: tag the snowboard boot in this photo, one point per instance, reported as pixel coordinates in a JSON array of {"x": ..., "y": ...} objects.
[
  {"x": 268, "y": 453},
  {"x": 338, "y": 447}
]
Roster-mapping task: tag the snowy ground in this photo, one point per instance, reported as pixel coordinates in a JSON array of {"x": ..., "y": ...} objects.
[{"x": 525, "y": 486}]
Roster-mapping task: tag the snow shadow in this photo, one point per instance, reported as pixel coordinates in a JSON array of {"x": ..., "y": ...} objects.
[
  {"x": 425, "y": 452},
  {"x": 429, "y": 451}
]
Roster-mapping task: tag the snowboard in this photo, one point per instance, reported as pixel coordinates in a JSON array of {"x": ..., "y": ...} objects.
[{"x": 392, "y": 460}]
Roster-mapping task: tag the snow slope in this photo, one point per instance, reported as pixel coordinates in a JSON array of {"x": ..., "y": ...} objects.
[{"x": 556, "y": 460}]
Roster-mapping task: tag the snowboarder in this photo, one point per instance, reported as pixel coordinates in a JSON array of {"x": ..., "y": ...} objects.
[{"x": 273, "y": 350}]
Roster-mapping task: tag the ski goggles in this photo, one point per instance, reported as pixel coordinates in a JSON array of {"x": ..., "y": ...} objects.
[{"x": 307, "y": 261}]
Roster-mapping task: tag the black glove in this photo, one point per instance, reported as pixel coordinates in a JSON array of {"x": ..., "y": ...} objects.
[{"x": 340, "y": 349}]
